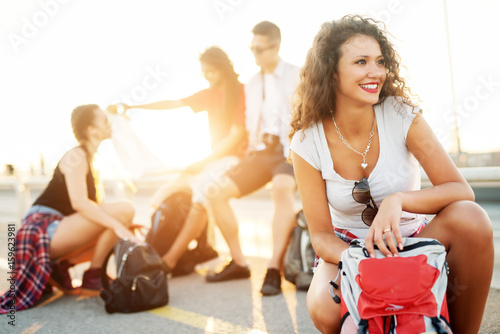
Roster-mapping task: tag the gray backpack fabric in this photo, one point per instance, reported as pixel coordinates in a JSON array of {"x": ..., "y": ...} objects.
[{"x": 300, "y": 255}]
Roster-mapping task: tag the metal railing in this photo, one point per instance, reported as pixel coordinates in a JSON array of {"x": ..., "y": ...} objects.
[{"x": 488, "y": 177}]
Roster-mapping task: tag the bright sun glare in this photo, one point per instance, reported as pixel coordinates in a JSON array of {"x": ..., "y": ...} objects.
[{"x": 60, "y": 54}]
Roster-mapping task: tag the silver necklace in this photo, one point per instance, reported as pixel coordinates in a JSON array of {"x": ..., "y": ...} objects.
[{"x": 364, "y": 164}]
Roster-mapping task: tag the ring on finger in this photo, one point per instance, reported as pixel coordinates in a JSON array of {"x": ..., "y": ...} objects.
[{"x": 387, "y": 230}]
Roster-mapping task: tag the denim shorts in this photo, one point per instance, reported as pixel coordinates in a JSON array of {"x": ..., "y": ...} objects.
[{"x": 51, "y": 229}]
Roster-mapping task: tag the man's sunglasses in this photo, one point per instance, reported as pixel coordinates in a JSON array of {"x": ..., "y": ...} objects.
[
  {"x": 258, "y": 50},
  {"x": 361, "y": 194}
]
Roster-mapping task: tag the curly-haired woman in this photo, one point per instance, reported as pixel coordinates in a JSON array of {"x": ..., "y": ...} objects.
[{"x": 356, "y": 125}]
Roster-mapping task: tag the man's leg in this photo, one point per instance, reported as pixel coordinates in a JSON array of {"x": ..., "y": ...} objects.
[
  {"x": 284, "y": 217},
  {"x": 284, "y": 221},
  {"x": 249, "y": 175},
  {"x": 228, "y": 225},
  {"x": 227, "y": 222}
]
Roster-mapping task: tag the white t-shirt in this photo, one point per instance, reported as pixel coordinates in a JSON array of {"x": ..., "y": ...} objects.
[
  {"x": 268, "y": 104},
  {"x": 397, "y": 170}
]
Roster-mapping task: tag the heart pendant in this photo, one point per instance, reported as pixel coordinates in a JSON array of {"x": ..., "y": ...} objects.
[{"x": 363, "y": 165}]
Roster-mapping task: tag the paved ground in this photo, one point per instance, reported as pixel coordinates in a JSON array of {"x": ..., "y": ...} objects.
[{"x": 195, "y": 306}]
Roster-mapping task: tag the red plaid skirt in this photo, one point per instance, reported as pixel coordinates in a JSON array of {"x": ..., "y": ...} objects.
[{"x": 32, "y": 267}]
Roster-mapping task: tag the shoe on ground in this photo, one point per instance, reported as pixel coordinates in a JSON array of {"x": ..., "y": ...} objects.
[
  {"x": 91, "y": 283},
  {"x": 231, "y": 271},
  {"x": 205, "y": 254},
  {"x": 61, "y": 279},
  {"x": 47, "y": 290},
  {"x": 272, "y": 283}
]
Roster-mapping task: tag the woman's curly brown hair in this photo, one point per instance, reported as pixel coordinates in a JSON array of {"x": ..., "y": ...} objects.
[{"x": 316, "y": 91}]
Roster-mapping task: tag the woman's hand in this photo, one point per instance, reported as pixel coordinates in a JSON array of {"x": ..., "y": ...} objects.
[
  {"x": 124, "y": 233},
  {"x": 385, "y": 226},
  {"x": 118, "y": 109},
  {"x": 125, "y": 107}
]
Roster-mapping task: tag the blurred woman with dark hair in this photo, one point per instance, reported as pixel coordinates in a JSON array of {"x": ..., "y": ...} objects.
[
  {"x": 68, "y": 221},
  {"x": 224, "y": 101}
]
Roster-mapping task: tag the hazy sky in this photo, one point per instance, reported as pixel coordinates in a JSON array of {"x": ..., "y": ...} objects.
[{"x": 57, "y": 54}]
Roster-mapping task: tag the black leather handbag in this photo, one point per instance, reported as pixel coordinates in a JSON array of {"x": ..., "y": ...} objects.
[{"x": 141, "y": 282}]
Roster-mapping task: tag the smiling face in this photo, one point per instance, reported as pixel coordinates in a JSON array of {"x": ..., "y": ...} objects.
[
  {"x": 361, "y": 71},
  {"x": 212, "y": 75}
]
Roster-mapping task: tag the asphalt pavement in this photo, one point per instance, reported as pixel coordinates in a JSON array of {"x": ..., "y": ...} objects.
[{"x": 196, "y": 306}]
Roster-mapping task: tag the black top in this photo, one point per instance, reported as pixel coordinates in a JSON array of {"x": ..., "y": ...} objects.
[{"x": 56, "y": 195}]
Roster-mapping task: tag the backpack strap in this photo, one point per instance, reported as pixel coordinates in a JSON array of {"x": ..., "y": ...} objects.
[
  {"x": 363, "y": 326},
  {"x": 392, "y": 325},
  {"x": 104, "y": 275},
  {"x": 436, "y": 322},
  {"x": 344, "y": 317},
  {"x": 155, "y": 225}
]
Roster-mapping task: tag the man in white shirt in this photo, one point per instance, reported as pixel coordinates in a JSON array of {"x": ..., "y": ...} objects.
[{"x": 268, "y": 97}]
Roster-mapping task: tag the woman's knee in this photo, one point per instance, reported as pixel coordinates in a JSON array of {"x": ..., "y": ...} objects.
[
  {"x": 221, "y": 192},
  {"x": 322, "y": 309},
  {"x": 128, "y": 213},
  {"x": 469, "y": 218},
  {"x": 324, "y": 312},
  {"x": 123, "y": 211},
  {"x": 460, "y": 223}
]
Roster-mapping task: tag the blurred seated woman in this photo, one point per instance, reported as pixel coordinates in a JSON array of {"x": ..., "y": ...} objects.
[{"x": 68, "y": 223}]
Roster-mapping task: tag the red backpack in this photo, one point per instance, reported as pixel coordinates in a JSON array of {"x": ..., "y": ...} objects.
[{"x": 405, "y": 294}]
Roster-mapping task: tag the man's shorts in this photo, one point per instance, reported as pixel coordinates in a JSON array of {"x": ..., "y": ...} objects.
[{"x": 258, "y": 168}]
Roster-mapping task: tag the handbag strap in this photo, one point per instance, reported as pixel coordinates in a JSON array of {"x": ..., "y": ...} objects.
[{"x": 104, "y": 275}]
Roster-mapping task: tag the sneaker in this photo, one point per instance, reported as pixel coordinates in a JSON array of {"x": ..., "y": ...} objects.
[
  {"x": 91, "y": 283},
  {"x": 61, "y": 279},
  {"x": 47, "y": 290},
  {"x": 230, "y": 271},
  {"x": 272, "y": 283}
]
